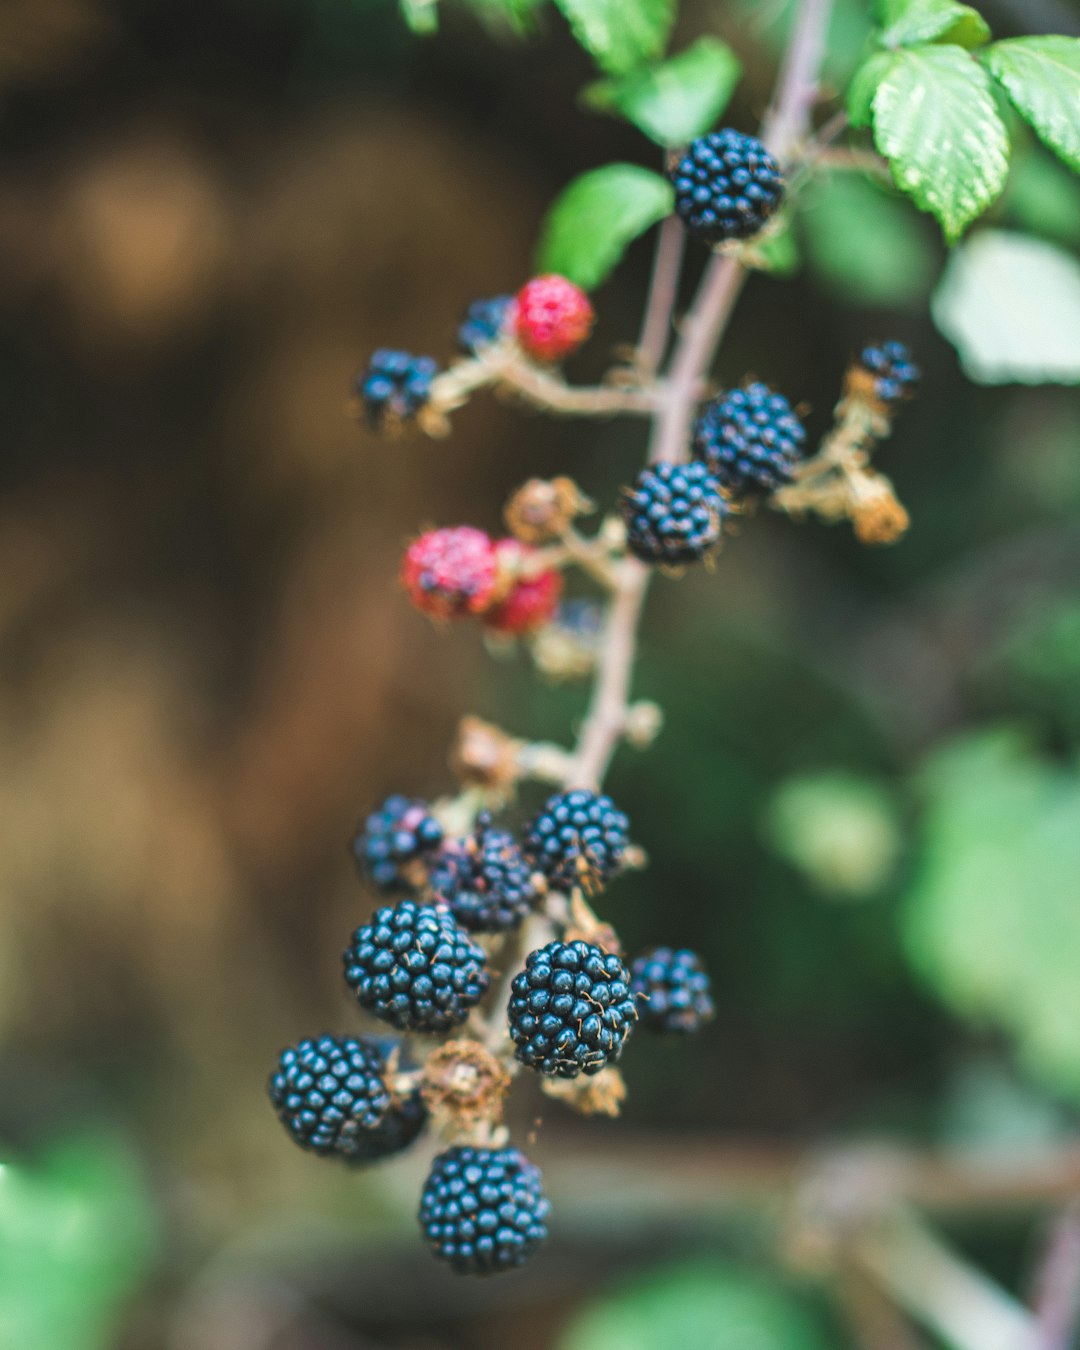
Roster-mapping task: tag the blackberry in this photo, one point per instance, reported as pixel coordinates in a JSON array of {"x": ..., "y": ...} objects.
[
  {"x": 394, "y": 843},
  {"x": 415, "y": 967},
  {"x": 578, "y": 839},
  {"x": 484, "y": 323},
  {"x": 394, "y": 387},
  {"x": 571, "y": 1009},
  {"x": 727, "y": 185},
  {"x": 673, "y": 514},
  {"x": 483, "y": 1209},
  {"x": 485, "y": 881},
  {"x": 894, "y": 373},
  {"x": 750, "y": 440},
  {"x": 330, "y": 1095},
  {"x": 672, "y": 989}
]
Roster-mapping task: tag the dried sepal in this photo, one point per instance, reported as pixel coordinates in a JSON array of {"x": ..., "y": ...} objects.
[
  {"x": 601, "y": 1095},
  {"x": 542, "y": 510},
  {"x": 464, "y": 1087}
]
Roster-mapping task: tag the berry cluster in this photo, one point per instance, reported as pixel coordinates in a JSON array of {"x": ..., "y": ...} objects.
[
  {"x": 727, "y": 185},
  {"x": 892, "y": 373},
  {"x": 673, "y": 514},
  {"x": 394, "y": 388},
  {"x": 750, "y": 439},
  {"x": 672, "y": 989}
]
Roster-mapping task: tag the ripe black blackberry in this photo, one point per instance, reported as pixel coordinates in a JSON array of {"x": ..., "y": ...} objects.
[
  {"x": 578, "y": 839},
  {"x": 396, "y": 842},
  {"x": 672, "y": 989},
  {"x": 484, "y": 323},
  {"x": 483, "y": 1209},
  {"x": 673, "y": 514},
  {"x": 571, "y": 1009},
  {"x": 750, "y": 440},
  {"x": 415, "y": 967},
  {"x": 330, "y": 1094},
  {"x": 894, "y": 373},
  {"x": 394, "y": 387},
  {"x": 485, "y": 880},
  {"x": 727, "y": 185}
]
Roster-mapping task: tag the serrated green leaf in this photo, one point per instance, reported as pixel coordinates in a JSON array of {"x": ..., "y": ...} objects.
[
  {"x": 591, "y": 223},
  {"x": 936, "y": 122},
  {"x": 620, "y": 35},
  {"x": 677, "y": 100},
  {"x": 1041, "y": 75},
  {"x": 1010, "y": 305},
  {"x": 864, "y": 85},
  {"x": 905, "y": 23},
  {"x": 866, "y": 244}
]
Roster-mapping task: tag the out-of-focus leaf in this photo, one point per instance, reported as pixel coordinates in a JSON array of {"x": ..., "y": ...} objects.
[
  {"x": 76, "y": 1237},
  {"x": 1041, "y": 75},
  {"x": 779, "y": 250},
  {"x": 905, "y": 23},
  {"x": 422, "y": 16},
  {"x": 936, "y": 122},
  {"x": 1044, "y": 198},
  {"x": 864, "y": 85},
  {"x": 993, "y": 917},
  {"x": 677, "y": 100},
  {"x": 620, "y": 35},
  {"x": 698, "y": 1307},
  {"x": 841, "y": 832},
  {"x": 865, "y": 243},
  {"x": 1010, "y": 304},
  {"x": 592, "y": 221},
  {"x": 849, "y": 30}
]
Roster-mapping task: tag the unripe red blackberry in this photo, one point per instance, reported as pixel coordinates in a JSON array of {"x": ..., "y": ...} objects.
[
  {"x": 483, "y": 1209},
  {"x": 531, "y": 601},
  {"x": 727, "y": 185},
  {"x": 451, "y": 573},
  {"x": 416, "y": 967},
  {"x": 673, "y": 991},
  {"x": 578, "y": 839},
  {"x": 750, "y": 440},
  {"x": 571, "y": 1009},
  {"x": 673, "y": 514},
  {"x": 552, "y": 317},
  {"x": 330, "y": 1094}
]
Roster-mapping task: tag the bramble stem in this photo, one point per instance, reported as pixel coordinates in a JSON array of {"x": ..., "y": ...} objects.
[
  {"x": 1057, "y": 1295},
  {"x": 663, "y": 289},
  {"x": 785, "y": 125}
]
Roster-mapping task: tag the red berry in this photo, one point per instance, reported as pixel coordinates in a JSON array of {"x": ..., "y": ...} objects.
[
  {"x": 450, "y": 573},
  {"x": 552, "y": 317},
  {"x": 531, "y": 602}
]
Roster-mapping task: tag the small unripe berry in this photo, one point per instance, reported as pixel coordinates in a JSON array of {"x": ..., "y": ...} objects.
[
  {"x": 451, "y": 573},
  {"x": 552, "y": 318},
  {"x": 531, "y": 601}
]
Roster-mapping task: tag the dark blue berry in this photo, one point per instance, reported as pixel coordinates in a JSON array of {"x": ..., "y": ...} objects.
[
  {"x": 750, "y": 440},
  {"x": 673, "y": 514},
  {"x": 672, "y": 989},
  {"x": 571, "y": 1009},
  {"x": 394, "y": 387},
  {"x": 483, "y": 1209},
  {"x": 415, "y": 967},
  {"x": 485, "y": 880},
  {"x": 484, "y": 323},
  {"x": 578, "y": 839},
  {"x": 330, "y": 1094},
  {"x": 895, "y": 373},
  {"x": 396, "y": 842},
  {"x": 727, "y": 185}
]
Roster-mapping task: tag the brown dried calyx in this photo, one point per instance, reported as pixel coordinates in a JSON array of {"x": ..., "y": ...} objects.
[
  {"x": 542, "y": 510},
  {"x": 877, "y": 514},
  {"x": 485, "y": 756},
  {"x": 601, "y": 1095},
  {"x": 463, "y": 1086}
]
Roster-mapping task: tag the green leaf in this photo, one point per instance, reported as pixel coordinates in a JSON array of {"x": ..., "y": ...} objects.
[
  {"x": 864, "y": 85},
  {"x": 1044, "y": 198},
  {"x": 519, "y": 16},
  {"x": 1041, "y": 75},
  {"x": 422, "y": 16},
  {"x": 905, "y": 23},
  {"x": 993, "y": 918},
  {"x": 1010, "y": 304},
  {"x": 866, "y": 244},
  {"x": 936, "y": 122},
  {"x": 620, "y": 34},
  {"x": 677, "y": 100},
  {"x": 704, "y": 1306},
  {"x": 591, "y": 223}
]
